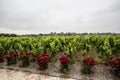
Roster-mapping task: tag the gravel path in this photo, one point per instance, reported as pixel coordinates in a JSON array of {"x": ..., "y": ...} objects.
[
  {"x": 6, "y": 74},
  {"x": 14, "y": 72}
]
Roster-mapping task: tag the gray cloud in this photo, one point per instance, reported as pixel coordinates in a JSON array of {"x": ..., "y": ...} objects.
[{"x": 36, "y": 16}]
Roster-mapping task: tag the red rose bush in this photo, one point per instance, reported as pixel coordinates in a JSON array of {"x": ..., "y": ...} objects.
[
  {"x": 115, "y": 64},
  {"x": 12, "y": 58},
  {"x": 26, "y": 58},
  {"x": 64, "y": 60},
  {"x": 88, "y": 63},
  {"x": 1, "y": 58},
  {"x": 42, "y": 60}
]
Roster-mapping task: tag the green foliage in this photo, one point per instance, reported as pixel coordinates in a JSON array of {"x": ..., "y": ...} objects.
[{"x": 106, "y": 45}]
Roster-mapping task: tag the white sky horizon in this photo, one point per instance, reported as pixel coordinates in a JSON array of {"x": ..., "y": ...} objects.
[{"x": 46, "y": 16}]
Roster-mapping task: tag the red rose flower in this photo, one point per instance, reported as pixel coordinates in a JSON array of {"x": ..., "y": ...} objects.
[
  {"x": 29, "y": 53},
  {"x": 118, "y": 58},
  {"x": 64, "y": 59},
  {"x": 89, "y": 61},
  {"x": 15, "y": 54},
  {"x": 92, "y": 63},
  {"x": 113, "y": 61},
  {"x": 8, "y": 57},
  {"x": 1, "y": 55},
  {"x": 86, "y": 60},
  {"x": 42, "y": 59}
]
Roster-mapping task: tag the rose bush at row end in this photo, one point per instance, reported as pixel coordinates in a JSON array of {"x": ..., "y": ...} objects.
[
  {"x": 1, "y": 58},
  {"x": 115, "y": 64},
  {"x": 64, "y": 60},
  {"x": 87, "y": 65},
  {"x": 42, "y": 60},
  {"x": 26, "y": 58},
  {"x": 12, "y": 58}
]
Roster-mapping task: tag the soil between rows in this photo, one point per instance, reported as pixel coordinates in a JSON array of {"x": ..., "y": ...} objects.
[{"x": 100, "y": 72}]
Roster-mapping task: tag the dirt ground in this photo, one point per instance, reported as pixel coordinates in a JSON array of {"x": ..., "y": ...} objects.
[{"x": 15, "y": 72}]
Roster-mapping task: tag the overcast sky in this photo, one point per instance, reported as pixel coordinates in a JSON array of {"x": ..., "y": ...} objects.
[{"x": 45, "y": 16}]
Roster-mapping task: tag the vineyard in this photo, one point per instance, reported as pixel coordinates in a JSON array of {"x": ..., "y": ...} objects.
[{"x": 102, "y": 48}]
